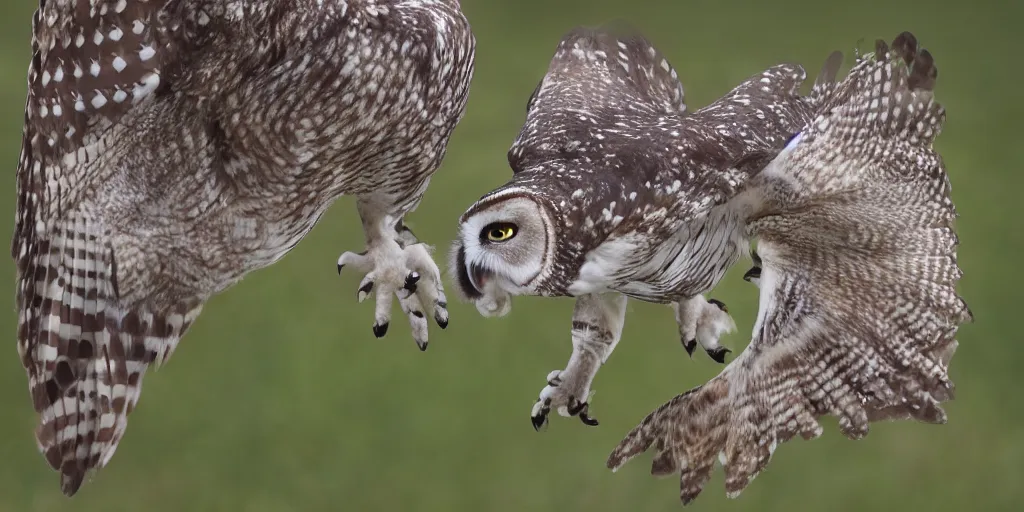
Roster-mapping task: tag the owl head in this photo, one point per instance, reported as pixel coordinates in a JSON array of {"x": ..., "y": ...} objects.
[{"x": 506, "y": 245}]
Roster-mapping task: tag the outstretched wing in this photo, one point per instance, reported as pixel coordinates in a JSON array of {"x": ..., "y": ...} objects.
[
  {"x": 858, "y": 306},
  {"x": 92, "y": 62},
  {"x": 597, "y": 77}
]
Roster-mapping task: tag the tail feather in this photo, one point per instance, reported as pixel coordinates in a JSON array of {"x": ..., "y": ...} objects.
[
  {"x": 85, "y": 353},
  {"x": 858, "y": 309}
]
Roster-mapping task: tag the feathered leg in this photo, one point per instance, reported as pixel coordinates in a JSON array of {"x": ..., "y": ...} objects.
[
  {"x": 597, "y": 322},
  {"x": 396, "y": 264},
  {"x": 705, "y": 321}
]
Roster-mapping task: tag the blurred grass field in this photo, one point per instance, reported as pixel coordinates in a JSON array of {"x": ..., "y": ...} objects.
[{"x": 281, "y": 399}]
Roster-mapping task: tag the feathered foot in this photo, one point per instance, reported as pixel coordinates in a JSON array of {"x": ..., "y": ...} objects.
[
  {"x": 568, "y": 392},
  {"x": 393, "y": 266},
  {"x": 704, "y": 321}
]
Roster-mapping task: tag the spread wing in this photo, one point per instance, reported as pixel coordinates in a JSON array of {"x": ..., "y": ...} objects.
[
  {"x": 598, "y": 78},
  {"x": 858, "y": 307},
  {"x": 92, "y": 63}
]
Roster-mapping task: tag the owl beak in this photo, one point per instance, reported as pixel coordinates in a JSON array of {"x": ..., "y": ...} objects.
[
  {"x": 478, "y": 277},
  {"x": 475, "y": 283},
  {"x": 471, "y": 278},
  {"x": 753, "y": 276}
]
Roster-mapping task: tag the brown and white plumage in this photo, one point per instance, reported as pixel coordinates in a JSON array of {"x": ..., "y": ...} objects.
[
  {"x": 858, "y": 308},
  {"x": 172, "y": 146},
  {"x": 841, "y": 189}
]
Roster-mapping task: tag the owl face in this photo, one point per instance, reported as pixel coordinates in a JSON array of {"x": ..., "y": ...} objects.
[{"x": 504, "y": 247}]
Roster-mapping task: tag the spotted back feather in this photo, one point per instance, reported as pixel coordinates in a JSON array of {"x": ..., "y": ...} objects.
[
  {"x": 858, "y": 306},
  {"x": 85, "y": 354},
  {"x": 172, "y": 146},
  {"x": 598, "y": 73},
  {"x": 609, "y": 145}
]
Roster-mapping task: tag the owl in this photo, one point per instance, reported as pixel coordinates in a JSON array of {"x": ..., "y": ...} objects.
[
  {"x": 620, "y": 193},
  {"x": 173, "y": 146}
]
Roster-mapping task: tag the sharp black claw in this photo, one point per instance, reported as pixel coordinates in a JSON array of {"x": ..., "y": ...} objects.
[
  {"x": 367, "y": 288},
  {"x": 440, "y": 319},
  {"x": 575, "y": 407},
  {"x": 422, "y": 346},
  {"x": 340, "y": 266},
  {"x": 720, "y": 304},
  {"x": 538, "y": 421},
  {"x": 753, "y": 273},
  {"x": 379, "y": 330},
  {"x": 542, "y": 417},
  {"x": 411, "y": 280},
  {"x": 718, "y": 354},
  {"x": 587, "y": 420},
  {"x": 690, "y": 346}
]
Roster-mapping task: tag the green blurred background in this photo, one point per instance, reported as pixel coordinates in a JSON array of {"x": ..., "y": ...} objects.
[{"x": 281, "y": 399}]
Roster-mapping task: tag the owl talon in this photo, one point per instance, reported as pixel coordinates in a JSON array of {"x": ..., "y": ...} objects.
[
  {"x": 703, "y": 321},
  {"x": 539, "y": 413},
  {"x": 718, "y": 354},
  {"x": 690, "y": 346},
  {"x": 538, "y": 421},
  {"x": 364, "y": 291},
  {"x": 398, "y": 269},
  {"x": 580, "y": 409},
  {"x": 587, "y": 420},
  {"x": 410, "y": 281},
  {"x": 574, "y": 406},
  {"x": 441, "y": 314},
  {"x": 560, "y": 394}
]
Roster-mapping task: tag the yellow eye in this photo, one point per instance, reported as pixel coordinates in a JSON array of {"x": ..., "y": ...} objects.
[{"x": 500, "y": 232}]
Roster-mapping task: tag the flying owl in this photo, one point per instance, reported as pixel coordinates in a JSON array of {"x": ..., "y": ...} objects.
[
  {"x": 618, "y": 192},
  {"x": 173, "y": 146}
]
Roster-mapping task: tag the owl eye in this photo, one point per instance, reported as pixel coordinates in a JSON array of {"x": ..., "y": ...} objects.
[{"x": 499, "y": 232}]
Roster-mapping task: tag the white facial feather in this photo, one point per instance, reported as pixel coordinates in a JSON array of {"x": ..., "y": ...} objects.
[{"x": 514, "y": 264}]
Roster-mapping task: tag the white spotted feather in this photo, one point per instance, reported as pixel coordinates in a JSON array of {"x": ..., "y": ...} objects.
[{"x": 171, "y": 147}]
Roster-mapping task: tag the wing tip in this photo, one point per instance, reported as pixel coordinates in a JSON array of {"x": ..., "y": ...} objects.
[
  {"x": 830, "y": 69},
  {"x": 625, "y": 51},
  {"x": 71, "y": 479}
]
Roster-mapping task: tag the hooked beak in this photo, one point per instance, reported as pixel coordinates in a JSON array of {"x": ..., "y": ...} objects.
[
  {"x": 471, "y": 278},
  {"x": 473, "y": 281},
  {"x": 753, "y": 276}
]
